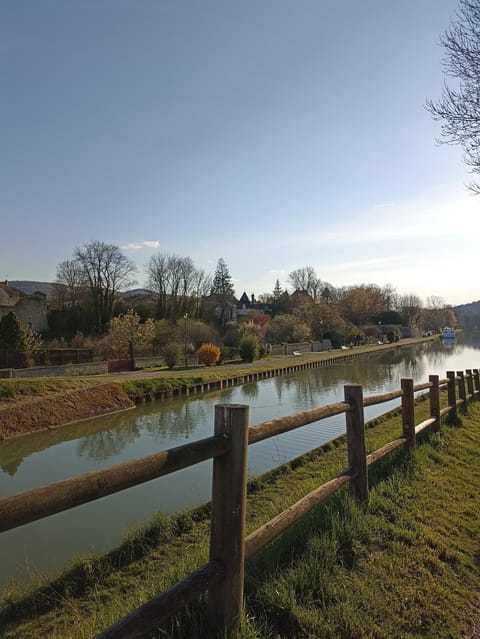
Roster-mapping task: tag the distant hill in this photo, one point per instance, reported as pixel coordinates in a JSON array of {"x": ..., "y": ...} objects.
[
  {"x": 467, "y": 309},
  {"x": 29, "y": 287},
  {"x": 137, "y": 292},
  {"x": 468, "y": 315}
]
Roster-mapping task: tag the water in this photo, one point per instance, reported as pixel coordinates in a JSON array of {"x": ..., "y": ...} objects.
[{"x": 45, "y": 546}]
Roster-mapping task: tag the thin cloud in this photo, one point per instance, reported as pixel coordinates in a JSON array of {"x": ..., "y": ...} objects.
[
  {"x": 366, "y": 265},
  {"x": 426, "y": 217},
  {"x": 135, "y": 246}
]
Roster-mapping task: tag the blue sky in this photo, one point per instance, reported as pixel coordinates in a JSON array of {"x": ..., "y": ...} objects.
[{"x": 276, "y": 134}]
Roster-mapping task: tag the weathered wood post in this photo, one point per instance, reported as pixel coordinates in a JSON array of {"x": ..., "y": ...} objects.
[
  {"x": 227, "y": 535},
  {"x": 462, "y": 393},
  {"x": 357, "y": 457},
  {"x": 408, "y": 412},
  {"x": 434, "y": 396},
  {"x": 452, "y": 417},
  {"x": 469, "y": 377},
  {"x": 476, "y": 381}
]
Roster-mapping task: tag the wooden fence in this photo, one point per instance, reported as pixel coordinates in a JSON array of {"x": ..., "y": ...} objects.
[{"x": 222, "y": 577}]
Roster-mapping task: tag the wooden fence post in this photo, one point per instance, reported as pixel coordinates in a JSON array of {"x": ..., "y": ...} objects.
[
  {"x": 452, "y": 417},
  {"x": 462, "y": 393},
  {"x": 476, "y": 381},
  {"x": 469, "y": 376},
  {"x": 434, "y": 395},
  {"x": 357, "y": 457},
  {"x": 227, "y": 535},
  {"x": 408, "y": 412}
]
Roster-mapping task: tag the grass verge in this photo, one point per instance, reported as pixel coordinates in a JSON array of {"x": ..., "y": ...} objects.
[
  {"x": 408, "y": 567},
  {"x": 15, "y": 389}
]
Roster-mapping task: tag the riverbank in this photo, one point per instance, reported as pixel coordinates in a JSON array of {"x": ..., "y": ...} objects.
[
  {"x": 33, "y": 405},
  {"x": 59, "y": 407},
  {"x": 406, "y": 567}
]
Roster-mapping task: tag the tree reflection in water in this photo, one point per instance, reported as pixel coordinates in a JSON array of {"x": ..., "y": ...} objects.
[{"x": 167, "y": 424}]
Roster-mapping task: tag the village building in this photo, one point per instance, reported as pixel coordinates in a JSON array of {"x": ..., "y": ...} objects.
[
  {"x": 31, "y": 310},
  {"x": 249, "y": 307}
]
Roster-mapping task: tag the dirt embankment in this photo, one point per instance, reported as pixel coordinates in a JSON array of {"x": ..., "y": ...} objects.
[{"x": 44, "y": 413}]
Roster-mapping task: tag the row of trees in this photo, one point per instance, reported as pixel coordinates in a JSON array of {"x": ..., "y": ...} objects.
[
  {"x": 87, "y": 297},
  {"x": 87, "y": 289},
  {"x": 185, "y": 302}
]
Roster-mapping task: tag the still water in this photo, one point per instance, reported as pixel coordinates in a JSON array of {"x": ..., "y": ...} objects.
[{"x": 43, "y": 547}]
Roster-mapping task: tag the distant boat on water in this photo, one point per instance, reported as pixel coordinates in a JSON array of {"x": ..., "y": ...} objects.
[{"x": 448, "y": 333}]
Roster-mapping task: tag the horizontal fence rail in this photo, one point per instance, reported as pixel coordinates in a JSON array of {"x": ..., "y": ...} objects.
[
  {"x": 264, "y": 535},
  {"x": 381, "y": 399},
  {"x": 274, "y": 427},
  {"x": 222, "y": 577},
  {"x": 41, "y": 502},
  {"x": 151, "y": 614}
]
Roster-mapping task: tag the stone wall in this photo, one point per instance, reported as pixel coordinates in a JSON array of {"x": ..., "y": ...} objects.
[
  {"x": 70, "y": 370},
  {"x": 158, "y": 360},
  {"x": 301, "y": 347}
]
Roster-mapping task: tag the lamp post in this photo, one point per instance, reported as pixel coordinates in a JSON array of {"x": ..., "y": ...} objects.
[{"x": 185, "y": 317}]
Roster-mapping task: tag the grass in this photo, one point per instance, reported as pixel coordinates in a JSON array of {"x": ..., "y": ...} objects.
[
  {"x": 407, "y": 567},
  {"x": 149, "y": 385},
  {"x": 14, "y": 389}
]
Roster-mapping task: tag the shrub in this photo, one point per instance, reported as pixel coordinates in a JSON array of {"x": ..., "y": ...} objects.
[
  {"x": 336, "y": 337},
  {"x": 264, "y": 350},
  {"x": 170, "y": 354},
  {"x": 200, "y": 333},
  {"x": 208, "y": 354},
  {"x": 232, "y": 336},
  {"x": 12, "y": 339},
  {"x": 249, "y": 348},
  {"x": 393, "y": 335},
  {"x": 287, "y": 328}
]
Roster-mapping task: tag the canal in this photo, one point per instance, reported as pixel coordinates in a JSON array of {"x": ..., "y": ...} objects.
[{"x": 43, "y": 547}]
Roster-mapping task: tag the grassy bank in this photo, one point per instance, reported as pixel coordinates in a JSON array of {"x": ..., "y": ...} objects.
[
  {"x": 18, "y": 389},
  {"x": 406, "y": 568}
]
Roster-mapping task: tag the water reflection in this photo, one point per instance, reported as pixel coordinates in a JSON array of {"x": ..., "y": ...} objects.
[
  {"x": 164, "y": 424},
  {"x": 13, "y": 451},
  {"x": 103, "y": 445},
  {"x": 250, "y": 390},
  {"x": 45, "y": 457}
]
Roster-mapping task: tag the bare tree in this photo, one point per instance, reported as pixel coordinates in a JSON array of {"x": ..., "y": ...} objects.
[
  {"x": 105, "y": 269},
  {"x": 437, "y": 314},
  {"x": 458, "y": 109},
  {"x": 179, "y": 285},
  {"x": 158, "y": 281},
  {"x": 361, "y": 304},
  {"x": 202, "y": 285},
  {"x": 70, "y": 284},
  {"x": 305, "y": 279},
  {"x": 410, "y": 306}
]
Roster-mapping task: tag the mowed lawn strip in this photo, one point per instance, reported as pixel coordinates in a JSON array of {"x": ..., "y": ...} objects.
[{"x": 408, "y": 567}]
